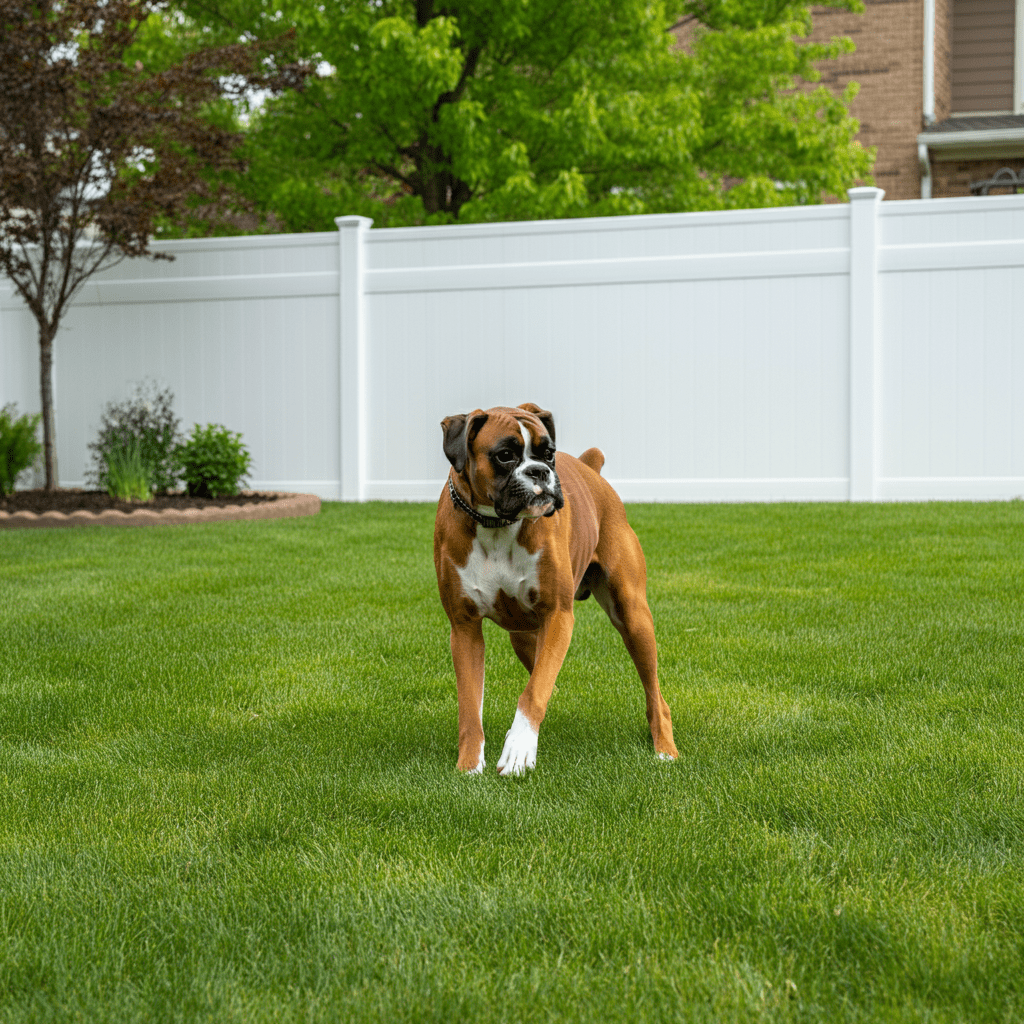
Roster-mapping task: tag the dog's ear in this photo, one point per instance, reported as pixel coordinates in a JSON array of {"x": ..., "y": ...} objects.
[
  {"x": 543, "y": 415},
  {"x": 459, "y": 432}
]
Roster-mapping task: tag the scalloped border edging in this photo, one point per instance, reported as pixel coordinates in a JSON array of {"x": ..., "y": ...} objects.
[{"x": 287, "y": 506}]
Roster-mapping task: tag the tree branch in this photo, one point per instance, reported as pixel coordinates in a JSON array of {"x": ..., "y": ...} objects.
[
  {"x": 424, "y": 12},
  {"x": 454, "y": 95},
  {"x": 392, "y": 172}
]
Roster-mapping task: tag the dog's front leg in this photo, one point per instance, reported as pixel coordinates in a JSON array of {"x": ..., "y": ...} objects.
[
  {"x": 467, "y": 643},
  {"x": 519, "y": 753}
]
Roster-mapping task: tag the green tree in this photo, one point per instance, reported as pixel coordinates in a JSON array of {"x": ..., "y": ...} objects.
[{"x": 435, "y": 110}]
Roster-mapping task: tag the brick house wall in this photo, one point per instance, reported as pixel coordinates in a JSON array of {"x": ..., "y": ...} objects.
[
  {"x": 954, "y": 178},
  {"x": 888, "y": 64}
]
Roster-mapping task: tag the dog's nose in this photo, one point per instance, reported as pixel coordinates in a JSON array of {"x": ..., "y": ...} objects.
[{"x": 538, "y": 472}]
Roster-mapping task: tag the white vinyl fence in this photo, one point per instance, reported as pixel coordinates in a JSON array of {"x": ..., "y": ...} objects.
[{"x": 864, "y": 351}]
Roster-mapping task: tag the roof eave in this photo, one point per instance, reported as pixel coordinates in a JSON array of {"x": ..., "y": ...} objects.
[{"x": 991, "y": 143}]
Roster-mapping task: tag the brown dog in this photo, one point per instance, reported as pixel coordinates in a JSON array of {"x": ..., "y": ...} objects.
[{"x": 520, "y": 533}]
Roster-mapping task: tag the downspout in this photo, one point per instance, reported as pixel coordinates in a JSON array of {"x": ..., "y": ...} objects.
[
  {"x": 929, "y": 96},
  {"x": 1018, "y": 59}
]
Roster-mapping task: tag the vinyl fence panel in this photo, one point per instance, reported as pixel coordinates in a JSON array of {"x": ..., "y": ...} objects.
[
  {"x": 858, "y": 351},
  {"x": 244, "y": 333}
]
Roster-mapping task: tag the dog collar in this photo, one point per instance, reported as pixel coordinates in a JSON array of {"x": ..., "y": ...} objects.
[{"x": 491, "y": 522}]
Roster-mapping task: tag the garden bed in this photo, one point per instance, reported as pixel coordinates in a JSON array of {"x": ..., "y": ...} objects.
[{"x": 74, "y": 507}]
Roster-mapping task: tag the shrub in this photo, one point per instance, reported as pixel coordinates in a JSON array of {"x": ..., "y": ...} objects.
[
  {"x": 145, "y": 424},
  {"x": 213, "y": 461},
  {"x": 129, "y": 475},
  {"x": 18, "y": 445}
]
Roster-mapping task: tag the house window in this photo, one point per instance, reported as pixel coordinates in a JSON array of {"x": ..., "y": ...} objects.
[{"x": 982, "y": 50}]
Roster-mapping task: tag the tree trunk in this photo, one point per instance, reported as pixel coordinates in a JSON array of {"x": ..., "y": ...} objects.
[
  {"x": 442, "y": 191},
  {"x": 46, "y": 334}
]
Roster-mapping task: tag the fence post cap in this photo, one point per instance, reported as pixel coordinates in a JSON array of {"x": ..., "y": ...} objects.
[
  {"x": 865, "y": 192},
  {"x": 353, "y": 221}
]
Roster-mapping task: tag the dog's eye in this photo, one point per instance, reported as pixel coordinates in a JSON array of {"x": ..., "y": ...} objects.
[
  {"x": 549, "y": 456},
  {"x": 505, "y": 458}
]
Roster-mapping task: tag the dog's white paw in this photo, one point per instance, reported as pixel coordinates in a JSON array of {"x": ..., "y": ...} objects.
[
  {"x": 662, "y": 756},
  {"x": 519, "y": 754}
]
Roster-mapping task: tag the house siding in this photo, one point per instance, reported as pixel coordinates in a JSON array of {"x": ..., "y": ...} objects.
[
  {"x": 943, "y": 58},
  {"x": 982, "y": 61}
]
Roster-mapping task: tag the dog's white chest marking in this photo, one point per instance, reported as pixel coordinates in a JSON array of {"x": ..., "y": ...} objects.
[{"x": 497, "y": 564}]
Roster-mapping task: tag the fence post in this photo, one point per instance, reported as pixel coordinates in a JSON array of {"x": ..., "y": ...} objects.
[
  {"x": 865, "y": 344},
  {"x": 352, "y": 341}
]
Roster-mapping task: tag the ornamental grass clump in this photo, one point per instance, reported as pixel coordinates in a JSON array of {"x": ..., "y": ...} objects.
[
  {"x": 213, "y": 462},
  {"x": 18, "y": 445},
  {"x": 129, "y": 474},
  {"x": 142, "y": 429}
]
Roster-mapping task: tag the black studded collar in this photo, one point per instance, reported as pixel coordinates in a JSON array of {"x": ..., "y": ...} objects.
[{"x": 491, "y": 522}]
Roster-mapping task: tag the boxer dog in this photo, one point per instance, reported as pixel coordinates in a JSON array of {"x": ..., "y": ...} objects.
[{"x": 522, "y": 531}]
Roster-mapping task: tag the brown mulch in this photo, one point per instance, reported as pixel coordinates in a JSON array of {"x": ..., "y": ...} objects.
[{"x": 71, "y": 500}]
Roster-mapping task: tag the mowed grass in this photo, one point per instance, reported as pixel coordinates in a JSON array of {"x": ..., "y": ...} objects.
[{"x": 227, "y": 785}]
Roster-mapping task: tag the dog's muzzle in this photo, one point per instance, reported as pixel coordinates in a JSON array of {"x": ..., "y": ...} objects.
[{"x": 531, "y": 495}]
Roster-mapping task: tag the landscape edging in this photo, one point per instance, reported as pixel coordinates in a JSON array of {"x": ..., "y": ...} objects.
[{"x": 287, "y": 506}]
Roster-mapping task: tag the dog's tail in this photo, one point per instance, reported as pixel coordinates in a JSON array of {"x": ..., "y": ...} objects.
[{"x": 594, "y": 458}]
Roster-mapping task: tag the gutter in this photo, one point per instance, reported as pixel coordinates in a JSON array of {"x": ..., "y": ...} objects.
[
  {"x": 980, "y": 137},
  {"x": 981, "y": 144}
]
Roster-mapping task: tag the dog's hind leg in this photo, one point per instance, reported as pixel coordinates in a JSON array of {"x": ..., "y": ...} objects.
[
  {"x": 623, "y": 596},
  {"x": 525, "y": 646}
]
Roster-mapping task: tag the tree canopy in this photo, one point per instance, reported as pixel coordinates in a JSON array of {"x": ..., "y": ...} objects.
[{"x": 436, "y": 110}]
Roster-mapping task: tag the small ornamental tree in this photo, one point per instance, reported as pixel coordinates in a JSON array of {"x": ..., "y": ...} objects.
[{"x": 95, "y": 147}]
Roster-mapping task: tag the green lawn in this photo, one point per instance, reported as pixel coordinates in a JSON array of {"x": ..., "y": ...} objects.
[{"x": 227, "y": 786}]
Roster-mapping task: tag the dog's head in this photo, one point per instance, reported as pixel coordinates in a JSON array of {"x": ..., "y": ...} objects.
[{"x": 506, "y": 457}]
